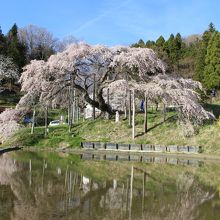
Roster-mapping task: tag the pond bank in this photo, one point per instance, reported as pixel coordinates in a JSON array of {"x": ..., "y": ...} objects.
[
  {"x": 107, "y": 131},
  {"x": 8, "y": 149}
]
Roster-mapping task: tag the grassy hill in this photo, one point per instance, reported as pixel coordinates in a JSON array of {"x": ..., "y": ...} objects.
[{"x": 169, "y": 132}]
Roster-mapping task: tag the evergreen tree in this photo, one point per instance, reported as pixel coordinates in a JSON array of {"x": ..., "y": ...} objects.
[
  {"x": 179, "y": 43},
  {"x": 161, "y": 49},
  {"x": 179, "y": 46},
  {"x": 200, "y": 57},
  {"x": 170, "y": 48},
  {"x": 15, "y": 49},
  {"x": 160, "y": 42},
  {"x": 141, "y": 43},
  {"x": 150, "y": 44},
  {"x": 2, "y": 43},
  {"x": 200, "y": 62},
  {"x": 212, "y": 61}
]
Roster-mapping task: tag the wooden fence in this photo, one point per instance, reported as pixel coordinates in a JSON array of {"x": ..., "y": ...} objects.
[{"x": 141, "y": 147}]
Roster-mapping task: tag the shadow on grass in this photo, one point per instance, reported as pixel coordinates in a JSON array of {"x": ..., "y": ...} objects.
[
  {"x": 170, "y": 119},
  {"x": 214, "y": 108}
]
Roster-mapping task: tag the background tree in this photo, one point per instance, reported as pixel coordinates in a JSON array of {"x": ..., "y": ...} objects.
[
  {"x": 212, "y": 61},
  {"x": 184, "y": 56},
  {"x": 15, "y": 49},
  {"x": 62, "y": 44},
  {"x": 3, "y": 45},
  {"x": 200, "y": 57},
  {"x": 39, "y": 42}
]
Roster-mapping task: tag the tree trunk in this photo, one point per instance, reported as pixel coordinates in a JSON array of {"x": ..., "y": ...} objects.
[
  {"x": 145, "y": 113},
  {"x": 77, "y": 110},
  {"x": 70, "y": 107},
  {"x": 46, "y": 121},
  {"x": 129, "y": 113},
  {"x": 10, "y": 85},
  {"x": 98, "y": 102},
  {"x": 107, "y": 102},
  {"x": 33, "y": 120},
  {"x": 74, "y": 106},
  {"x": 79, "y": 113},
  {"x": 156, "y": 106},
  {"x": 164, "y": 112},
  {"x": 133, "y": 117},
  {"x": 125, "y": 107}
]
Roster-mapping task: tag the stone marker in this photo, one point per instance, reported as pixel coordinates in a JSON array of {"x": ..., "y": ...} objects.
[
  {"x": 159, "y": 148},
  {"x": 183, "y": 149},
  {"x": 117, "y": 117},
  {"x": 147, "y": 147},
  {"x": 99, "y": 145},
  {"x": 193, "y": 149},
  {"x": 111, "y": 146},
  {"x": 135, "y": 147},
  {"x": 87, "y": 145},
  {"x": 172, "y": 148},
  {"x": 123, "y": 146}
]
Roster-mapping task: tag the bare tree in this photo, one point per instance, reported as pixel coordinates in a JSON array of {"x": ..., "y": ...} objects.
[
  {"x": 39, "y": 42},
  {"x": 62, "y": 44}
]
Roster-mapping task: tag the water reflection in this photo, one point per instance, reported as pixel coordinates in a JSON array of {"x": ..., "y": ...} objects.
[
  {"x": 141, "y": 158},
  {"x": 36, "y": 189}
]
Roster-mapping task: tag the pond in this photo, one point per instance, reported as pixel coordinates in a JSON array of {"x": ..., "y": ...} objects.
[{"x": 45, "y": 185}]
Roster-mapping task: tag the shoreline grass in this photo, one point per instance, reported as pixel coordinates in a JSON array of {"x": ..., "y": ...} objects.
[{"x": 102, "y": 130}]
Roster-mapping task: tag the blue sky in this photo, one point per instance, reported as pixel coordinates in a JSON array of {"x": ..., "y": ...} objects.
[{"x": 112, "y": 22}]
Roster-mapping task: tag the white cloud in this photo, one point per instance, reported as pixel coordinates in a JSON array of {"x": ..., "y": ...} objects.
[{"x": 100, "y": 16}]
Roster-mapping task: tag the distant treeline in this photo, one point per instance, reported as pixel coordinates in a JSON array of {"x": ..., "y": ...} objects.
[
  {"x": 10, "y": 46},
  {"x": 197, "y": 56},
  {"x": 29, "y": 43}
]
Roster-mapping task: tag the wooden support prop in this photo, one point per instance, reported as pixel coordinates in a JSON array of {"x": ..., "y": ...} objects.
[
  {"x": 145, "y": 113},
  {"x": 164, "y": 112},
  {"x": 133, "y": 116},
  {"x": 45, "y": 121},
  {"x": 129, "y": 113},
  {"x": 74, "y": 107},
  {"x": 33, "y": 120}
]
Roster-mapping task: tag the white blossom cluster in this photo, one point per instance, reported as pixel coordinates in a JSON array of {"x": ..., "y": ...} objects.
[
  {"x": 8, "y": 69},
  {"x": 81, "y": 66},
  {"x": 171, "y": 90},
  {"x": 118, "y": 69},
  {"x": 9, "y": 122}
]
